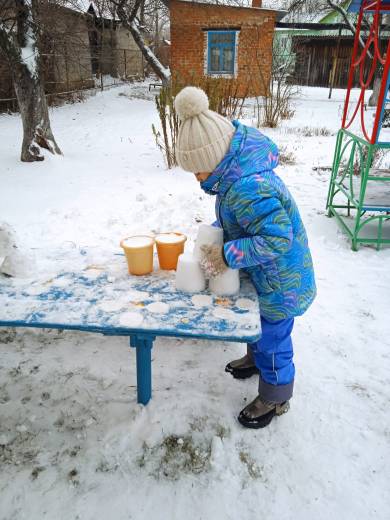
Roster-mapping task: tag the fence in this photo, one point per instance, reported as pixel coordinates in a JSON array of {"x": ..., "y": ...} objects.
[{"x": 67, "y": 74}]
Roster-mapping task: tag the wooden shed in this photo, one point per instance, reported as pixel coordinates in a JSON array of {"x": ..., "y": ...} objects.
[{"x": 322, "y": 55}]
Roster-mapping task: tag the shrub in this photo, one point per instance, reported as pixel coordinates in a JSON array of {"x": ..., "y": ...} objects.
[
  {"x": 277, "y": 104},
  {"x": 169, "y": 121},
  {"x": 286, "y": 156},
  {"x": 223, "y": 98}
]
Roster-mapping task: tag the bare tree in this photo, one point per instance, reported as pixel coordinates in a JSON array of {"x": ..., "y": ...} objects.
[
  {"x": 155, "y": 19},
  {"x": 127, "y": 11},
  {"x": 314, "y": 7},
  {"x": 340, "y": 9},
  {"x": 19, "y": 43},
  {"x": 373, "y": 99},
  {"x": 305, "y": 9}
]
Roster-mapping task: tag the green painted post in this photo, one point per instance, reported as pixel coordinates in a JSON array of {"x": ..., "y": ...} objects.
[{"x": 335, "y": 166}]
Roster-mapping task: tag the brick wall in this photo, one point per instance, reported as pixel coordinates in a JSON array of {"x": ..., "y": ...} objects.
[{"x": 188, "y": 41}]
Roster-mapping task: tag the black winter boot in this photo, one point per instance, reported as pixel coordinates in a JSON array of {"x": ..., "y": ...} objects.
[
  {"x": 259, "y": 413},
  {"x": 244, "y": 367}
]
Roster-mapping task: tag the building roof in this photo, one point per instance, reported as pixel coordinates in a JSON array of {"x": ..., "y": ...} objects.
[
  {"x": 356, "y": 4},
  {"x": 305, "y": 33},
  {"x": 102, "y": 10},
  {"x": 279, "y": 12},
  {"x": 332, "y": 17},
  {"x": 275, "y": 4}
]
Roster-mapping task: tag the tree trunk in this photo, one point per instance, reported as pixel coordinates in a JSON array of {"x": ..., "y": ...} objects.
[
  {"x": 21, "y": 49},
  {"x": 128, "y": 21},
  {"x": 37, "y": 132},
  {"x": 373, "y": 99},
  {"x": 157, "y": 67},
  {"x": 340, "y": 9}
]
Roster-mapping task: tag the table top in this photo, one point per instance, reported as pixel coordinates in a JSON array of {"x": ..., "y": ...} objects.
[{"x": 105, "y": 298}]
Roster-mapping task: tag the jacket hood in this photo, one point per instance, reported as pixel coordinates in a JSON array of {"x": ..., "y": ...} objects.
[{"x": 250, "y": 152}]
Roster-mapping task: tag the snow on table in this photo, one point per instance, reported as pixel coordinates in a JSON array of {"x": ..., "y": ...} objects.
[{"x": 104, "y": 298}]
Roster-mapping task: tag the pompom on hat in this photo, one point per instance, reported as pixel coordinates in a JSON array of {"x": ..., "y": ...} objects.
[{"x": 204, "y": 136}]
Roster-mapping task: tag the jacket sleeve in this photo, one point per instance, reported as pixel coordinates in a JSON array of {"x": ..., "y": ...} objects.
[{"x": 263, "y": 217}]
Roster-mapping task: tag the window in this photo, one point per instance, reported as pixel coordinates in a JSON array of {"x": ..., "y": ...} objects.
[{"x": 221, "y": 51}]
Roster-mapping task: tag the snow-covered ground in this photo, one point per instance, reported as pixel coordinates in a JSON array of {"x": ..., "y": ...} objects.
[{"x": 74, "y": 444}]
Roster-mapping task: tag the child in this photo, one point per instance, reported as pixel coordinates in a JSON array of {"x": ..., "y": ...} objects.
[{"x": 263, "y": 235}]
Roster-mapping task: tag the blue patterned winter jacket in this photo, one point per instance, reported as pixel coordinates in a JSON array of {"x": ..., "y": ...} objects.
[{"x": 263, "y": 231}]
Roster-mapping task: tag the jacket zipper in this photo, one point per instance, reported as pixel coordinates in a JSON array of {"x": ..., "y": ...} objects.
[{"x": 219, "y": 212}]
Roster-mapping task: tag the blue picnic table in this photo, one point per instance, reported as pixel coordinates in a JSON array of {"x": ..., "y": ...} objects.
[{"x": 103, "y": 298}]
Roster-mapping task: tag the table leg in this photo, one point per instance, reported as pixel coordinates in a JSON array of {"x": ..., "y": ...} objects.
[{"x": 143, "y": 344}]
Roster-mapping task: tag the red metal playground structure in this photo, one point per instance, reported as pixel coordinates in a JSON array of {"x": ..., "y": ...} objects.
[{"x": 359, "y": 193}]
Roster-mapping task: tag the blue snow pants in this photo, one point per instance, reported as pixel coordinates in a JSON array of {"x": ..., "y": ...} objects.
[{"x": 273, "y": 354}]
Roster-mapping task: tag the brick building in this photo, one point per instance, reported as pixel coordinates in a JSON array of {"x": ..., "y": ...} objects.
[{"x": 221, "y": 41}]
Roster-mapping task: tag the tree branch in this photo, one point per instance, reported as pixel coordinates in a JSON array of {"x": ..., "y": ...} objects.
[
  {"x": 129, "y": 21},
  {"x": 352, "y": 28},
  {"x": 7, "y": 43},
  {"x": 134, "y": 11}
]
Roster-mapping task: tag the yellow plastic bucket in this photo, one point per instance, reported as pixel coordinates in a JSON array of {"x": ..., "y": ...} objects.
[{"x": 139, "y": 253}]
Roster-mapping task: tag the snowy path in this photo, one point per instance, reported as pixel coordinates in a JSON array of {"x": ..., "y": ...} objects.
[{"x": 73, "y": 442}]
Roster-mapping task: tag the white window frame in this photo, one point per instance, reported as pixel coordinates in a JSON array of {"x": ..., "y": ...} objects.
[{"x": 207, "y": 54}]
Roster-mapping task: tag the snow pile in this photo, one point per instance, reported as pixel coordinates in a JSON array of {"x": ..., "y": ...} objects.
[
  {"x": 12, "y": 261},
  {"x": 189, "y": 275},
  {"x": 29, "y": 52},
  {"x": 137, "y": 242},
  {"x": 226, "y": 283},
  {"x": 169, "y": 238},
  {"x": 207, "y": 235},
  {"x": 74, "y": 443}
]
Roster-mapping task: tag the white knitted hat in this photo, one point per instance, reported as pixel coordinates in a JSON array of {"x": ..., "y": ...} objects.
[{"x": 204, "y": 136}]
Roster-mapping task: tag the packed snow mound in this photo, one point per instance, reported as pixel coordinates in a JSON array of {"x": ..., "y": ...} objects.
[
  {"x": 190, "y": 102},
  {"x": 7, "y": 239},
  {"x": 12, "y": 261}
]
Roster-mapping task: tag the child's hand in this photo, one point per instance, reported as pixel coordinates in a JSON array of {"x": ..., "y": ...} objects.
[{"x": 212, "y": 261}]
